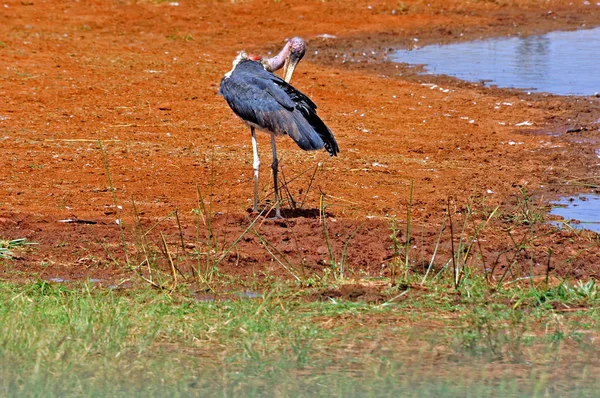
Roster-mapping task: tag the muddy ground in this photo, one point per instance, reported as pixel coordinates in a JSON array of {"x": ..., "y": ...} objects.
[{"x": 142, "y": 78}]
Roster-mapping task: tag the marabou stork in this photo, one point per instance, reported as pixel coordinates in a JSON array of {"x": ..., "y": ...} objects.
[{"x": 266, "y": 102}]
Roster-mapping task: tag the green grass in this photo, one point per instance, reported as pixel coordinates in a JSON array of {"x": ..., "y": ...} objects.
[{"x": 82, "y": 340}]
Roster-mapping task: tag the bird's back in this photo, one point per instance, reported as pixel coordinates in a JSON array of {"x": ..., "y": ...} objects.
[{"x": 266, "y": 101}]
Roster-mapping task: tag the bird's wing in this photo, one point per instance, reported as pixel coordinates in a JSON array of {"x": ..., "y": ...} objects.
[
  {"x": 265, "y": 100},
  {"x": 308, "y": 109},
  {"x": 257, "y": 100}
]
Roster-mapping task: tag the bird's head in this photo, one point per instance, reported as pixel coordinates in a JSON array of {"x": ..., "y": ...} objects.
[{"x": 297, "y": 49}]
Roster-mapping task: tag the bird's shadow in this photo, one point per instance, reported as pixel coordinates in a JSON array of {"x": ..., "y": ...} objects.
[{"x": 295, "y": 213}]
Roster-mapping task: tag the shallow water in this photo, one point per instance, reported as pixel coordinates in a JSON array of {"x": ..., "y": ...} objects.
[
  {"x": 558, "y": 62},
  {"x": 580, "y": 212}
]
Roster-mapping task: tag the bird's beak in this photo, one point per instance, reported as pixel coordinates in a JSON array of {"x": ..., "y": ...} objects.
[{"x": 289, "y": 66}]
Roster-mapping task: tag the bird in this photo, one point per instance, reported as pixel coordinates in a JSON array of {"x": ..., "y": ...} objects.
[{"x": 266, "y": 102}]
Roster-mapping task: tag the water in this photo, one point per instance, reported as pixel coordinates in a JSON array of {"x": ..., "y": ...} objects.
[
  {"x": 61, "y": 280},
  {"x": 558, "y": 62},
  {"x": 245, "y": 295},
  {"x": 583, "y": 209}
]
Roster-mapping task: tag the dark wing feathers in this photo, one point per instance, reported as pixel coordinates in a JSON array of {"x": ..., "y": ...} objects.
[
  {"x": 293, "y": 94},
  {"x": 268, "y": 102}
]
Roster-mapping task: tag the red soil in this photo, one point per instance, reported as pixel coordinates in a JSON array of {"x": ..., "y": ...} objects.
[{"x": 142, "y": 78}]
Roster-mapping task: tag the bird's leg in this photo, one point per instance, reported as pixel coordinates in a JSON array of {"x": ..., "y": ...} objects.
[
  {"x": 275, "y": 167},
  {"x": 256, "y": 166}
]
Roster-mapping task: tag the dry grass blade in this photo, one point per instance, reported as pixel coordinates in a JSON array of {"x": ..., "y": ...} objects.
[
  {"x": 114, "y": 197},
  {"x": 143, "y": 242},
  {"x": 312, "y": 179},
  {"x": 182, "y": 241},
  {"x": 270, "y": 248},
  {"x": 235, "y": 242},
  {"x": 170, "y": 258},
  {"x": 284, "y": 186},
  {"x": 435, "y": 250},
  {"x": 156, "y": 224},
  {"x": 7, "y": 245}
]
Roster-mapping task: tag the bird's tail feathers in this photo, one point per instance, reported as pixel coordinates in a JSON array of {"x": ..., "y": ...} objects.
[
  {"x": 305, "y": 135},
  {"x": 318, "y": 126},
  {"x": 329, "y": 142}
]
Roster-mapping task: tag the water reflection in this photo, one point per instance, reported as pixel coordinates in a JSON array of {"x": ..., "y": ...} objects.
[
  {"x": 557, "y": 62},
  {"x": 533, "y": 57}
]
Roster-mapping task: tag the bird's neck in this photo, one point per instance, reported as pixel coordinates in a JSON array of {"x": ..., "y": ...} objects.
[{"x": 277, "y": 62}]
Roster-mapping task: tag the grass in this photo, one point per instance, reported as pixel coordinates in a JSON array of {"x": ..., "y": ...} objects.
[
  {"x": 87, "y": 341},
  {"x": 7, "y": 247},
  {"x": 448, "y": 331}
]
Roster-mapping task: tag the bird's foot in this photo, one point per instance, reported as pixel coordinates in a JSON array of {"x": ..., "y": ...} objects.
[{"x": 278, "y": 215}]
